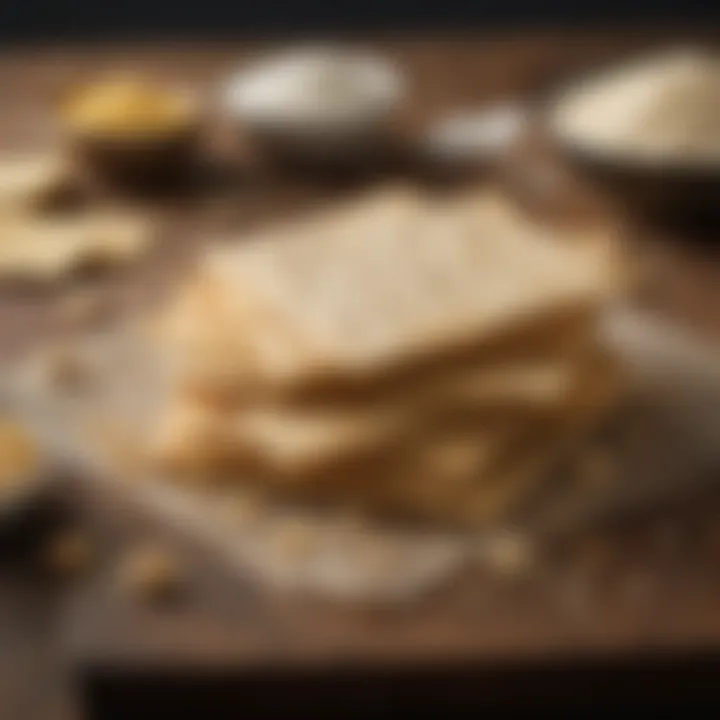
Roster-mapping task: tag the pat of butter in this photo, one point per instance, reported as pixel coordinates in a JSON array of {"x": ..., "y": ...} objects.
[
  {"x": 19, "y": 455},
  {"x": 126, "y": 107}
]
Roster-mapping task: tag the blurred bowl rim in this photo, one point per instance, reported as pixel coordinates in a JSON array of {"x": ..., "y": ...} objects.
[
  {"x": 619, "y": 158},
  {"x": 636, "y": 166},
  {"x": 189, "y": 123},
  {"x": 134, "y": 140},
  {"x": 278, "y": 120}
]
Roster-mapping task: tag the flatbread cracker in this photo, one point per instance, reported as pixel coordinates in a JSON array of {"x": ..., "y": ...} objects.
[
  {"x": 355, "y": 301},
  {"x": 299, "y": 443}
]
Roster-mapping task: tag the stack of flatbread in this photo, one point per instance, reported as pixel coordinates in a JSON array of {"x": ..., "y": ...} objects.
[{"x": 421, "y": 358}]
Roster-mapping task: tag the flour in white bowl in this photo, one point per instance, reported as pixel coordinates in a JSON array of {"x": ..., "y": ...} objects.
[{"x": 315, "y": 88}]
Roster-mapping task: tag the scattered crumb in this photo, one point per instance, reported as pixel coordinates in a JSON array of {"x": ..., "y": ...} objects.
[
  {"x": 294, "y": 539},
  {"x": 61, "y": 194},
  {"x": 107, "y": 240},
  {"x": 506, "y": 552},
  {"x": 577, "y": 595},
  {"x": 43, "y": 238},
  {"x": 670, "y": 536},
  {"x": 82, "y": 308},
  {"x": 638, "y": 589},
  {"x": 131, "y": 463},
  {"x": 596, "y": 467},
  {"x": 376, "y": 556},
  {"x": 39, "y": 183},
  {"x": 68, "y": 553},
  {"x": 64, "y": 369},
  {"x": 350, "y": 520},
  {"x": 456, "y": 458},
  {"x": 240, "y": 510},
  {"x": 151, "y": 572},
  {"x": 595, "y": 555},
  {"x": 122, "y": 448},
  {"x": 19, "y": 455}
]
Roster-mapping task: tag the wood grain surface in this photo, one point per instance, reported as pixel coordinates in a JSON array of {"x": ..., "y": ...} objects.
[{"x": 628, "y": 615}]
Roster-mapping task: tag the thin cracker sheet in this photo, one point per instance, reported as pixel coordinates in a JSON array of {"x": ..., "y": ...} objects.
[
  {"x": 372, "y": 298},
  {"x": 304, "y": 439}
]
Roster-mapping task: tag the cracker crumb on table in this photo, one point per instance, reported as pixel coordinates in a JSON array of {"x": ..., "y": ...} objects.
[
  {"x": 68, "y": 553},
  {"x": 377, "y": 556},
  {"x": 61, "y": 193},
  {"x": 81, "y": 308},
  {"x": 596, "y": 468},
  {"x": 150, "y": 572},
  {"x": 506, "y": 552},
  {"x": 41, "y": 183},
  {"x": 240, "y": 510},
  {"x": 295, "y": 539},
  {"x": 64, "y": 369}
]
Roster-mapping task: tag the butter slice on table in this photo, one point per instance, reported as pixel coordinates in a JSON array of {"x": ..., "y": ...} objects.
[
  {"x": 41, "y": 239},
  {"x": 127, "y": 106},
  {"x": 39, "y": 248}
]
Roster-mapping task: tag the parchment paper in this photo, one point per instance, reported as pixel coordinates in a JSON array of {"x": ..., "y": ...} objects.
[{"x": 661, "y": 443}]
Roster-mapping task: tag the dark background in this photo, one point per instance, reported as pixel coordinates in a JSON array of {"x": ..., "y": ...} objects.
[{"x": 22, "y": 20}]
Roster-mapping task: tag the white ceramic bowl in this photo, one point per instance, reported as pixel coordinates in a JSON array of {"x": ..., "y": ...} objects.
[
  {"x": 479, "y": 136},
  {"x": 316, "y": 102}
]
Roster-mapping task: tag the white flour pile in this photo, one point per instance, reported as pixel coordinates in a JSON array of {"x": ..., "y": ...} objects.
[
  {"x": 662, "y": 108},
  {"x": 315, "y": 88}
]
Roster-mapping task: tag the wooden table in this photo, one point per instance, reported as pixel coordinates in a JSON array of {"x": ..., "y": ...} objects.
[{"x": 636, "y": 616}]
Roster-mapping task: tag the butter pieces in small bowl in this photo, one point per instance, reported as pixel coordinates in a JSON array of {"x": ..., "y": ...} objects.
[{"x": 131, "y": 130}]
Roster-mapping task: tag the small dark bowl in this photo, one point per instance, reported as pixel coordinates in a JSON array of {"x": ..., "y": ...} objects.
[
  {"x": 357, "y": 151},
  {"x": 142, "y": 161},
  {"x": 664, "y": 193},
  {"x": 673, "y": 195}
]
